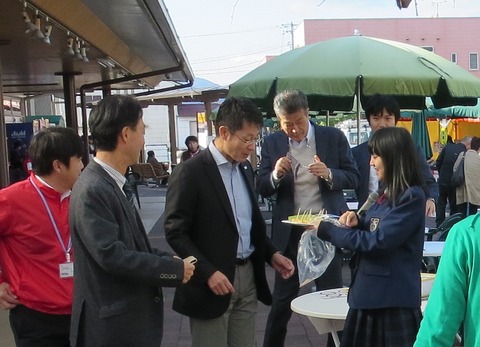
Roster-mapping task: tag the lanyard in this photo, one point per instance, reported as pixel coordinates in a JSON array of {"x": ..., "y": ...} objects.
[{"x": 66, "y": 249}]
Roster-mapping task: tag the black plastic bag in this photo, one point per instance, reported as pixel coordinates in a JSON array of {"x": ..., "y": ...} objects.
[{"x": 458, "y": 176}]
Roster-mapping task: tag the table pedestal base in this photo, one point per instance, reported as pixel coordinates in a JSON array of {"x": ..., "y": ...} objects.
[{"x": 331, "y": 326}]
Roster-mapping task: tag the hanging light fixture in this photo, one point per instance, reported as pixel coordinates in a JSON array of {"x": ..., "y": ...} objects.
[
  {"x": 47, "y": 32},
  {"x": 70, "y": 45},
  {"x": 83, "y": 52},
  {"x": 77, "y": 50},
  {"x": 30, "y": 27},
  {"x": 75, "y": 46},
  {"x": 38, "y": 27}
]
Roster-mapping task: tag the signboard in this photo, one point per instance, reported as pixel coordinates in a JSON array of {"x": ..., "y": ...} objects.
[
  {"x": 18, "y": 140},
  {"x": 19, "y": 131}
]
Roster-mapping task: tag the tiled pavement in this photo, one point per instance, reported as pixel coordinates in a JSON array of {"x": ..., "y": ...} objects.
[{"x": 301, "y": 332}]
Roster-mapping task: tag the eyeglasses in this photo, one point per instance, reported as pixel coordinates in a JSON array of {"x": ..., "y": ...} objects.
[{"x": 247, "y": 142}]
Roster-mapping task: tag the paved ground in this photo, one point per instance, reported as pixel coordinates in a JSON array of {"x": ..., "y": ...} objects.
[{"x": 176, "y": 329}]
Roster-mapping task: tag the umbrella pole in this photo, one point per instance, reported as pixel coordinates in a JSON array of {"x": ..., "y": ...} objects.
[{"x": 358, "y": 111}]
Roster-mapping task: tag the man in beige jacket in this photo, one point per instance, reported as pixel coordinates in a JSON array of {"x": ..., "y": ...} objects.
[{"x": 468, "y": 194}]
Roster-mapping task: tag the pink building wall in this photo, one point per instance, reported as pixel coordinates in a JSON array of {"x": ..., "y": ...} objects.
[{"x": 445, "y": 35}]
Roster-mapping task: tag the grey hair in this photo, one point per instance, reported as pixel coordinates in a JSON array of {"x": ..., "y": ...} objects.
[
  {"x": 466, "y": 140},
  {"x": 290, "y": 101}
]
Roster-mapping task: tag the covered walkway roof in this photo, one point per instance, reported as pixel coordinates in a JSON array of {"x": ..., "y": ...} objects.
[
  {"x": 121, "y": 37},
  {"x": 127, "y": 44},
  {"x": 202, "y": 90}
]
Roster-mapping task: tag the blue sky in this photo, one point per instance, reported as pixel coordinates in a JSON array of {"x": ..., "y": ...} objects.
[{"x": 225, "y": 39}]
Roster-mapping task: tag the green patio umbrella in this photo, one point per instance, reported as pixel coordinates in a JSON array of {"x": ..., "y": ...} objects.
[
  {"x": 420, "y": 134},
  {"x": 332, "y": 72},
  {"x": 456, "y": 111},
  {"x": 213, "y": 114}
]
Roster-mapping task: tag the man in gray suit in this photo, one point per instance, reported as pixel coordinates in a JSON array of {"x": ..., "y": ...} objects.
[
  {"x": 307, "y": 167},
  {"x": 118, "y": 276}
]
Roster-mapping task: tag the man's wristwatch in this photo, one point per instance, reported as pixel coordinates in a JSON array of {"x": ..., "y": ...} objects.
[{"x": 329, "y": 177}]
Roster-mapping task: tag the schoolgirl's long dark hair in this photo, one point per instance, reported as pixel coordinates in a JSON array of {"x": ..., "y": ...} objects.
[{"x": 400, "y": 159}]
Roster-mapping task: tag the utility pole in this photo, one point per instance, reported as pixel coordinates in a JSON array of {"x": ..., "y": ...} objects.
[
  {"x": 435, "y": 4},
  {"x": 289, "y": 28}
]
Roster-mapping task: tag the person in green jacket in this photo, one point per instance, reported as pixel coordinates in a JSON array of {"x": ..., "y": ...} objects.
[{"x": 455, "y": 296}]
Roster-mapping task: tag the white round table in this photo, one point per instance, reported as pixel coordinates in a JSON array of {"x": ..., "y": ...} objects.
[
  {"x": 433, "y": 248},
  {"x": 327, "y": 310}
]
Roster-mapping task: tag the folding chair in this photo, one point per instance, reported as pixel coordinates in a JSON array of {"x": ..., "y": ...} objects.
[{"x": 430, "y": 264}]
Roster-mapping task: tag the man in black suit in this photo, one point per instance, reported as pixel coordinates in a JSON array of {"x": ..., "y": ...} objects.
[
  {"x": 384, "y": 111},
  {"x": 211, "y": 213},
  {"x": 118, "y": 299},
  {"x": 307, "y": 167},
  {"x": 445, "y": 162}
]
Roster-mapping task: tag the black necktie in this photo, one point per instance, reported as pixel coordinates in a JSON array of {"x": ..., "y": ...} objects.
[{"x": 127, "y": 189}]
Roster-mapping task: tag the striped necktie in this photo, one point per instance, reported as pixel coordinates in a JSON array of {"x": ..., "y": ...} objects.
[{"x": 127, "y": 189}]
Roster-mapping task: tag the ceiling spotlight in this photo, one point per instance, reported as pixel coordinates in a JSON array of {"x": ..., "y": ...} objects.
[
  {"x": 77, "y": 50},
  {"x": 38, "y": 27},
  {"x": 46, "y": 32},
  {"x": 83, "y": 52},
  {"x": 28, "y": 22},
  {"x": 70, "y": 46}
]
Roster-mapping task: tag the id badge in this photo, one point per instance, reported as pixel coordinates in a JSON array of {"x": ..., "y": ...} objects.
[{"x": 66, "y": 270}]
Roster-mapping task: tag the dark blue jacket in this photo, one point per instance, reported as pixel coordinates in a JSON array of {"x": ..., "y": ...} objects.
[
  {"x": 333, "y": 149},
  {"x": 389, "y": 243},
  {"x": 445, "y": 161}
]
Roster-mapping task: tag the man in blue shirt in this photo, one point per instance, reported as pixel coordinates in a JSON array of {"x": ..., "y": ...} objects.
[{"x": 211, "y": 213}]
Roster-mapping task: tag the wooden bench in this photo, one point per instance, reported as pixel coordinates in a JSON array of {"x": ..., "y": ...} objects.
[{"x": 146, "y": 171}]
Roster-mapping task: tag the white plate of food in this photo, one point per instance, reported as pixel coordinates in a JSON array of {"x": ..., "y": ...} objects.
[
  {"x": 304, "y": 219},
  {"x": 308, "y": 219},
  {"x": 298, "y": 223}
]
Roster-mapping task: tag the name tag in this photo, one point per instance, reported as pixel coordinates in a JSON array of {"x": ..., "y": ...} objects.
[{"x": 66, "y": 270}]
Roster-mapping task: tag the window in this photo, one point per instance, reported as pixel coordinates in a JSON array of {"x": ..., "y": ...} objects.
[
  {"x": 473, "y": 61},
  {"x": 428, "y": 48},
  {"x": 453, "y": 58}
]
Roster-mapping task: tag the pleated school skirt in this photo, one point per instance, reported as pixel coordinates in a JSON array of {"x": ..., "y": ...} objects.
[{"x": 384, "y": 327}]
